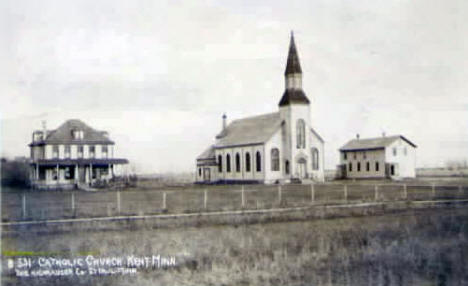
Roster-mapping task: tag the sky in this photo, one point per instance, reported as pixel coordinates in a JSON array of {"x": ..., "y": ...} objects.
[{"x": 158, "y": 75}]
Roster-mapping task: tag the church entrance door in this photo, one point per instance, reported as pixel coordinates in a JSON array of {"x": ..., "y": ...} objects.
[
  {"x": 302, "y": 168},
  {"x": 206, "y": 174}
]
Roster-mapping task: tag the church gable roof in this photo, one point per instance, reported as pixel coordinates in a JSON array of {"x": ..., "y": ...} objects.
[
  {"x": 249, "y": 131},
  {"x": 373, "y": 143},
  {"x": 64, "y": 134}
]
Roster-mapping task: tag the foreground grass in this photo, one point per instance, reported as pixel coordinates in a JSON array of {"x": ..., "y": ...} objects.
[{"x": 412, "y": 248}]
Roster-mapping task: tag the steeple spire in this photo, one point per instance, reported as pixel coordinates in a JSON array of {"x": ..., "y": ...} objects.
[
  {"x": 293, "y": 65},
  {"x": 293, "y": 78}
]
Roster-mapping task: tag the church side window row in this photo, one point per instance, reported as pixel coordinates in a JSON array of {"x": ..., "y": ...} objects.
[{"x": 237, "y": 162}]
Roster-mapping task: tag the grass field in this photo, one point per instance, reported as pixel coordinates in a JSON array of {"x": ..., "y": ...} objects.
[
  {"x": 148, "y": 197},
  {"x": 426, "y": 247}
]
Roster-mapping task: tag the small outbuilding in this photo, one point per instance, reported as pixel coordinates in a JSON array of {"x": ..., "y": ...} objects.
[{"x": 382, "y": 157}]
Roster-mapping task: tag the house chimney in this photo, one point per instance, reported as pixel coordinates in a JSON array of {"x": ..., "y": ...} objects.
[
  {"x": 357, "y": 136},
  {"x": 44, "y": 129},
  {"x": 224, "y": 121}
]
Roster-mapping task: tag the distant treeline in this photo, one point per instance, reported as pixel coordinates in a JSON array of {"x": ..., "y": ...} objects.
[{"x": 14, "y": 173}]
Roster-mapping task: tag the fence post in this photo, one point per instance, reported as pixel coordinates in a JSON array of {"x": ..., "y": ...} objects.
[
  {"x": 312, "y": 193},
  {"x": 164, "y": 201},
  {"x": 405, "y": 192},
  {"x": 279, "y": 194},
  {"x": 118, "y": 202},
  {"x": 242, "y": 196},
  {"x": 345, "y": 192},
  {"x": 24, "y": 206},
  {"x": 376, "y": 193},
  {"x": 205, "y": 199},
  {"x": 433, "y": 189},
  {"x": 73, "y": 203}
]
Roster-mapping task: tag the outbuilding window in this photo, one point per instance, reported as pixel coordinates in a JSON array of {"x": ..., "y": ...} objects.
[
  {"x": 350, "y": 166},
  {"x": 367, "y": 166},
  {"x": 359, "y": 166},
  {"x": 376, "y": 166}
]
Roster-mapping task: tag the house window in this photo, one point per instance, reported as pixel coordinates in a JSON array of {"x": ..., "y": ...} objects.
[
  {"x": 199, "y": 172},
  {"x": 92, "y": 151},
  {"x": 300, "y": 134},
  {"x": 238, "y": 162},
  {"x": 55, "y": 151},
  {"x": 67, "y": 151},
  {"x": 364, "y": 155},
  {"x": 359, "y": 166},
  {"x": 275, "y": 161},
  {"x": 376, "y": 166},
  {"x": 68, "y": 173},
  {"x": 394, "y": 151},
  {"x": 220, "y": 163},
  {"x": 228, "y": 163},
  {"x": 315, "y": 159},
  {"x": 104, "y": 151},
  {"x": 350, "y": 166},
  {"x": 80, "y": 151},
  {"x": 354, "y": 155},
  {"x": 258, "y": 162},
  {"x": 345, "y": 155},
  {"x": 286, "y": 167},
  {"x": 367, "y": 166},
  {"x": 247, "y": 162}
]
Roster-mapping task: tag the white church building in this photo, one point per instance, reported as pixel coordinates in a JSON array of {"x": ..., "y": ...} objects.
[{"x": 269, "y": 148}]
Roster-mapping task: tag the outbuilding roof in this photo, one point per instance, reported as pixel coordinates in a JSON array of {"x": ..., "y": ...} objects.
[
  {"x": 209, "y": 153},
  {"x": 373, "y": 143},
  {"x": 248, "y": 131},
  {"x": 64, "y": 134}
]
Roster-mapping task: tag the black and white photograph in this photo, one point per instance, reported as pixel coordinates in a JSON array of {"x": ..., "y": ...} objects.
[{"x": 155, "y": 142}]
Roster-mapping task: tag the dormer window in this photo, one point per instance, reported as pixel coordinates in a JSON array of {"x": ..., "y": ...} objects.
[{"x": 77, "y": 134}]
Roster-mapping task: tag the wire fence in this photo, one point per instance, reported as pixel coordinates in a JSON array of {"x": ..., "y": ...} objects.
[{"x": 17, "y": 206}]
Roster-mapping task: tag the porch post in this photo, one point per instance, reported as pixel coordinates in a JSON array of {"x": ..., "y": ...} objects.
[
  {"x": 77, "y": 174},
  {"x": 58, "y": 174},
  {"x": 90, "y": 173},
  {"x": 108, "y": 171},
  {"x": 37, "y": 171}
]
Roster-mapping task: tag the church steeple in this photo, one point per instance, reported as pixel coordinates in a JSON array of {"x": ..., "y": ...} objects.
[
  {"x": 293, "y": 78},
  {"x": 293, "y": 65}
]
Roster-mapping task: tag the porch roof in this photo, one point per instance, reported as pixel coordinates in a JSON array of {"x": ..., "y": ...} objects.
[{"x": 80, "y": 162}]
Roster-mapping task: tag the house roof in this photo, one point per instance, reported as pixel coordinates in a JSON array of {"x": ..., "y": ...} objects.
[
  {"x": 209, "y": 153},
  {"x": 292, "y": 65},
  {"x": 373, "y": 143},
  {"x": 63, "y": 134},
  {"x": 250, "y": 130}
]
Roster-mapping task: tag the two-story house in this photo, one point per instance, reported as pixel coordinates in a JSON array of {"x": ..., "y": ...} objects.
[{"x": 71, "y": 156}]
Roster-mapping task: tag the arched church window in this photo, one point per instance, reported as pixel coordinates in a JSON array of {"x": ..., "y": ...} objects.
[
  {"x": 258, "y": 161},
  {"x": 237, "y": 162},
  {"x": 247, "y": 162},
  {"x": 300, "y": 134},
  {"x": 315, "y": 159},
  {"x": 228, "y": 163},
  {"x": 220, "y": 163},
  {"x": 275, "y": 159}
]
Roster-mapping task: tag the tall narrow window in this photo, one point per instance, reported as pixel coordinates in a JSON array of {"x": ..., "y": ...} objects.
[
  {"x": 228, "y": 163},
  {"x": 238, "y": 168},
  {"x": 376, "y": 166},
  {"x": 67, "y": 151},
  {"x": 258, "y": 161},
  {"x": 300, "y": 134},
  {"x": 359, "y": 166},
  {"x": 345, "y": 155},
  {"x": 247, "y": 162},
  {"x": 286, "y": 167},
  {"x": 394, "y": 151},
  {"x": 92, "y": 151},
  {"x": 350, "y": 166},
  {"x": 220, "y": 163},
  {"x": 275, "y": 161},
  {"x": 55, "y": 151},
  {"x": 80, "y": 151},
  {"x": 104, "y": 151},
  {"x": 367, "y": 166},
  {"x": 315, "y": 159}
]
